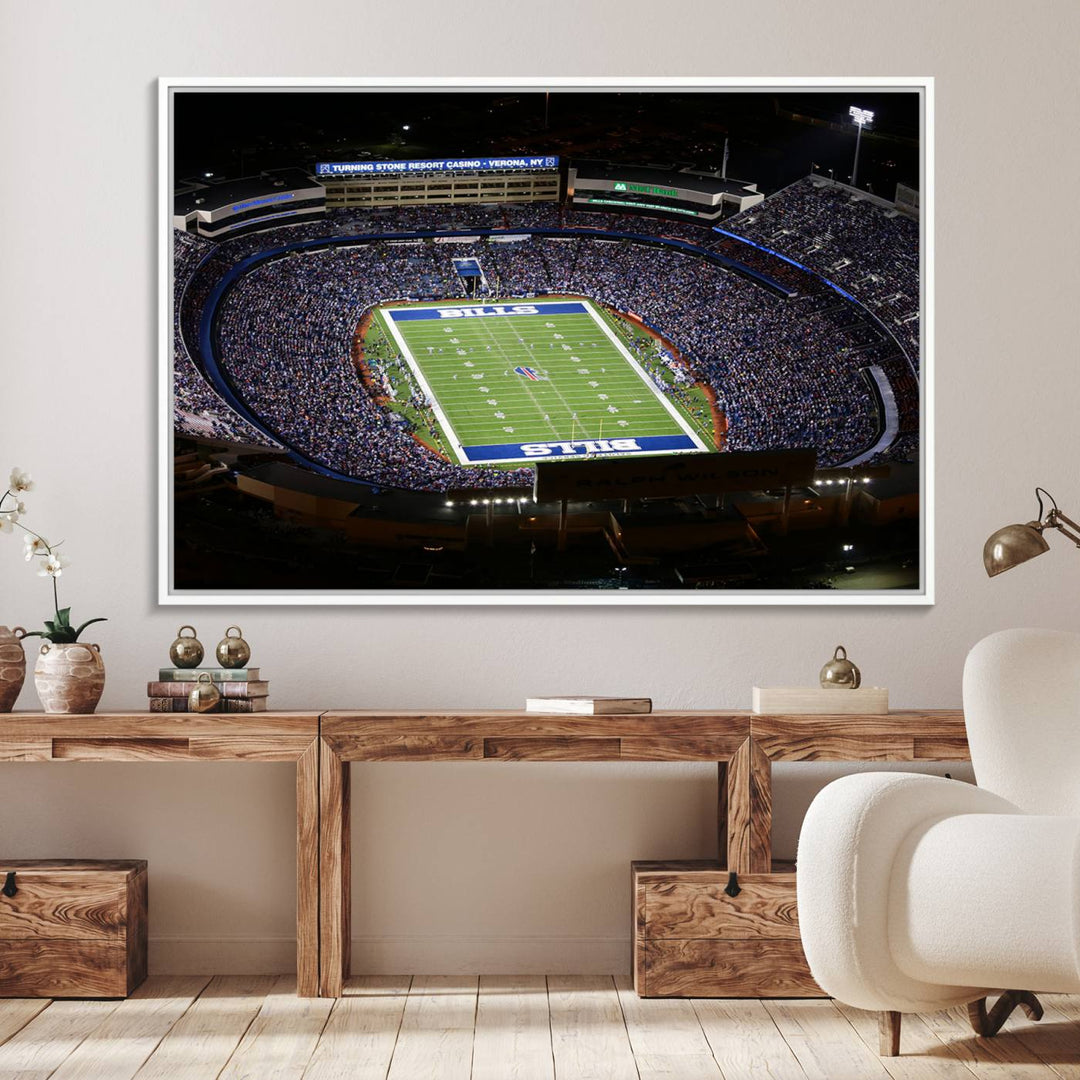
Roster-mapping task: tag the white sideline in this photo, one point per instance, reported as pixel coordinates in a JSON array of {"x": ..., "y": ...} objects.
[
  {"x": 643, "y": 375},
  {"x": 436, "y": 408}
]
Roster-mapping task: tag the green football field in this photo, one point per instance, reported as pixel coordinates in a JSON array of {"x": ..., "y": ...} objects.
[{"x": 512, "y": 381}]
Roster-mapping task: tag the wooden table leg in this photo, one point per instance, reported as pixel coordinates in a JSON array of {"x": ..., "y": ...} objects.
[
  {"x": 334, "y": 872},
  {"x": 749, "y": 810},
  {"x": 722, "y": 813},
  {"x": 307, "y": 872}
]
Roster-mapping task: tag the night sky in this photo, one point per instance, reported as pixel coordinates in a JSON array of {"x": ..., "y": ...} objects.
[{"x": 774, "y": 138}]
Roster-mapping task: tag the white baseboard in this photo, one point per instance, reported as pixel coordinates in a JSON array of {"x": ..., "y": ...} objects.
[
  {"x": 221, "y": 956},
  {"x": 430, "y": 954},
  {"x": 444, "y": 954}
]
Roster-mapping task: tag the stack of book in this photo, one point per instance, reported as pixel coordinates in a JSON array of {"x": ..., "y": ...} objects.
[{"x": 241, "y": 689}]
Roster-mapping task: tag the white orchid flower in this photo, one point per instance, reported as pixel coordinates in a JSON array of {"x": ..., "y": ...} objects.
[
  {"x": 34, "y": 545},
  {"x": 6, "y": 522},
  {"x": 54, "y": 565},
  {"x": 20, "y": 481}
]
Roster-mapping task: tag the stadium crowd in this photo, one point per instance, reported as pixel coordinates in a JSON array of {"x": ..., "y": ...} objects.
[
  {"x": 285, "y": 336},
  {"x": 786, "y": 371},
  {"x": 198, "y": 409},
  {"x": 868, "y": 248}
]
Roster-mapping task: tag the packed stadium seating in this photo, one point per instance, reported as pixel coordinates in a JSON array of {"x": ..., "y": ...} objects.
[
  {"x": 869, "y": 249},
  {"x": 785, "y": 371},
  {"x": 198, "y": 410}
]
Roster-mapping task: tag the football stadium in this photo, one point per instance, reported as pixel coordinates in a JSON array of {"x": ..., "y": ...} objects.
[{"x": 437, "y": 373}]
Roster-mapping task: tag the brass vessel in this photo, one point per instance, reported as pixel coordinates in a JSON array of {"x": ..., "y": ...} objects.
[
  {"x": 233, "y": 652},
  {"x": 204, "y": 695},
  {"x": 840, "y": 673},
  {"x": 186, "y": 652}
]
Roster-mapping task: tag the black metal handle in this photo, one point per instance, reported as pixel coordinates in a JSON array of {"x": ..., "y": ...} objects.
[
  {"x": 9, "y": 884},
  {"x": 732, "y": 887}
]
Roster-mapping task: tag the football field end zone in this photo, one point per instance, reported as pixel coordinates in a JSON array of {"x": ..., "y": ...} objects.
[
  {"x": 564, "y": 451},
  {"x": 553, "y": 450}
]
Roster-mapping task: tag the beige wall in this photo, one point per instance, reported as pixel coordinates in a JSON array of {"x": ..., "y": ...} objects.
[{"x": 495, "y": 867}]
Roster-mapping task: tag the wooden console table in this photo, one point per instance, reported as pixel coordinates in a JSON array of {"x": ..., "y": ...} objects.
[
  {"x": 742, "y": 744},
  {"x": 268, "y": 736},
  {"x": 322, "y": 745},
  {"x": 903, "y": 735}
]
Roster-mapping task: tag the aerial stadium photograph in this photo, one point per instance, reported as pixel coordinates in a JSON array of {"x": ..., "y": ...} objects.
[{"x": 563, "y": 343}]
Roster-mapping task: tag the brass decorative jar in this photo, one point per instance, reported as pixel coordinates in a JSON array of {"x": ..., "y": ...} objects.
[
  {"x": 840, "y": 673},
  {"x": 233, "y": 652},
  {"x": 12, "y": 666},
  {"x": 69, "y": 678},
  {"x": 186, "y": 651}
]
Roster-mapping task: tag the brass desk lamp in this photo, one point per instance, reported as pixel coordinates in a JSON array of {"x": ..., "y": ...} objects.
[{"x": 1014, "y": 544}]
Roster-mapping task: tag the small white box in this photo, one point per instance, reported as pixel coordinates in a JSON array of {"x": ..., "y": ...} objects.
[
  {"x": 816, "y": 700},
  {"x": 587, "y": 706}
]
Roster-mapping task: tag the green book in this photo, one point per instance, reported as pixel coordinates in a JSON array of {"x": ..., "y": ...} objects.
[{"x": 217, "y": 674}]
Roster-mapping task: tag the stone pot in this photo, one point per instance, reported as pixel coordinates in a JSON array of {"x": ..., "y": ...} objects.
[
  {"x": 69, "y": 678},
  {"x": 12, "y": 666}
]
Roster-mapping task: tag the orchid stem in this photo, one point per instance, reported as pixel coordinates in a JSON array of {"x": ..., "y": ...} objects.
[{"x": 20, "y": 525}]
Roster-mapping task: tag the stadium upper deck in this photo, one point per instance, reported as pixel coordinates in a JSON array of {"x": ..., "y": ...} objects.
[
  {"x": 441, "y": 182},
  {"x": 702, "y": 197},
  {"x": 225, "y": 208}
]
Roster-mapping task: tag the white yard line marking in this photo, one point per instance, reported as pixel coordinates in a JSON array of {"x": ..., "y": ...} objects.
[{"x": 489, "y": 330}]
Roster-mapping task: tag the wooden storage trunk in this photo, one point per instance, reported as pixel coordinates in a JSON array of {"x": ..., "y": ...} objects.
[
  {"x": 72, "y": 928},
  {"x": 691, "y": 939}
]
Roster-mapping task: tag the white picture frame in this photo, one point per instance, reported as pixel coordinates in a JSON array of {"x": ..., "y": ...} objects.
[{"x": 169, "y": 594}]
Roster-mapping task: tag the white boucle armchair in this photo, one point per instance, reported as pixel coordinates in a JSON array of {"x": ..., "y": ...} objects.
[{"x": 918, "y": 893}]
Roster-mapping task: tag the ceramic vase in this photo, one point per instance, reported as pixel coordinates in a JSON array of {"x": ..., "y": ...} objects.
[
  {"x": 69, "y": 678},
  {"x": 12, "y": 666}
]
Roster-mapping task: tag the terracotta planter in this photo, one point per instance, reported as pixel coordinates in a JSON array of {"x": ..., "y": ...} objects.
[
  {"x": 12, "y": 666},
  {"x": 69, "y": 678}
]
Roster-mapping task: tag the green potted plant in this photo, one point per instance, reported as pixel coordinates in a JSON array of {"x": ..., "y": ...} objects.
[{"x": 69, "y": 674}]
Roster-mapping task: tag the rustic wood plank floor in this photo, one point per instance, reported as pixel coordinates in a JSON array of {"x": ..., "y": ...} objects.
[{"x": 524, "y": 1027}]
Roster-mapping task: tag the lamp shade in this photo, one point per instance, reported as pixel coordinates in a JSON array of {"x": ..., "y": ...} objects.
[{"x": 1012, "y": 545}]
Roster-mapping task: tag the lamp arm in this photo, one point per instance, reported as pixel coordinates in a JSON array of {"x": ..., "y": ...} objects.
[{"x": 1055, "y": 518}]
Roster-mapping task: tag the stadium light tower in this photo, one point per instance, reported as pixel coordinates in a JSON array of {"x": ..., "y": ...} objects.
[{"x": 861, "y": 117}]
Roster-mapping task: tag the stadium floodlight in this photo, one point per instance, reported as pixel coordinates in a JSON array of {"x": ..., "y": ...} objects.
[{"x": 861, "y": 117}]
